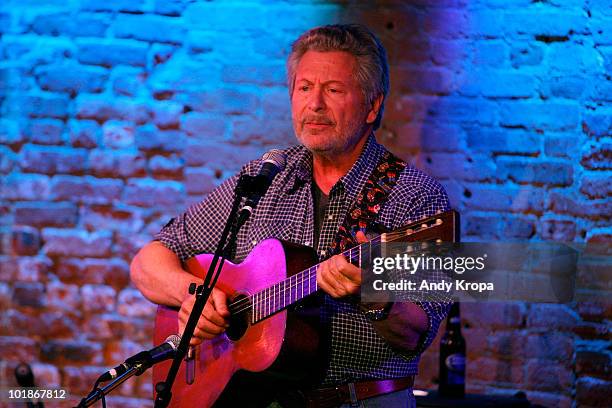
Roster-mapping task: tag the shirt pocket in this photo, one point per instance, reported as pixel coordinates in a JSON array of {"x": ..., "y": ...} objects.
[
  {"x": 259, "y": 231},
  {"x": 281, "y": 230}
]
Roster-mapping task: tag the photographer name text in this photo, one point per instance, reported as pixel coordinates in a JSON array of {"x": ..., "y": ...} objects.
[{"x": 442, "y": 286}]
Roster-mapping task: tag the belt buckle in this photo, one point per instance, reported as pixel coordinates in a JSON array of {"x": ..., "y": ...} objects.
[{"x": 330, "y": 396}]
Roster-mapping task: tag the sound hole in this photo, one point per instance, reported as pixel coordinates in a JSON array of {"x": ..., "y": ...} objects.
[{"x": 239, "y": 318}]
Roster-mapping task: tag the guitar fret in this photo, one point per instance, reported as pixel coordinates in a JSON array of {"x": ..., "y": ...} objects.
[
  {"x": 281, "y": 297},
  {"x": 291, "y": 289},
  {"x": 254, "y": 308},
  {"x": 311, "y": 274},
  {"x": 277, "y": 299},
  {"x": 309, "y": 289},
  {"x": 264, "y": 300},
  {"x": 268, "y": 297},
  {"x": 277, "y": 305},
  {"x": 285, "y": 290},
  {"x": 258, "y": 303},
  {"x": 293, "y": 293},
  {"x": 274, "y": 301}
]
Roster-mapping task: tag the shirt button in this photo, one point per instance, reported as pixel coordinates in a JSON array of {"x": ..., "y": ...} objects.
[
  {"x": 330, "y": 217},
  {"x": 254, "y": 242},
  {"x": 307, "y": 243},
  {"x": 322, "y": 253}
]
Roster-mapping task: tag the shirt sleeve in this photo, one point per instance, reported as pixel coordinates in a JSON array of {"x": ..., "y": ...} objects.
[
  {"x": 421, "y": 197},
  {"x": 199, "y": 229},
  {"x": 436, "y": 312}
]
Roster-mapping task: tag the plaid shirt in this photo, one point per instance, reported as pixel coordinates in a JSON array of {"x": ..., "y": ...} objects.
[{"x": 286, "y": 213}]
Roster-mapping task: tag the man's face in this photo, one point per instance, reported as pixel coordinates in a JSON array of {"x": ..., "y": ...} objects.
[{"x": 327, "y": 105}]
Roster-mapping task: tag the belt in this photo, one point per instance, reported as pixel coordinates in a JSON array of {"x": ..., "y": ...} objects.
[{"x": 353, "y": 392}]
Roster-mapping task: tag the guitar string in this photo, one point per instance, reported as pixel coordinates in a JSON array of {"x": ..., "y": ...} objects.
[{"x": 307, "y": 275}]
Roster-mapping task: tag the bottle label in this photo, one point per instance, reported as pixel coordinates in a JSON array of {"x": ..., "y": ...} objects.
[{"x": 456, "y": 368}]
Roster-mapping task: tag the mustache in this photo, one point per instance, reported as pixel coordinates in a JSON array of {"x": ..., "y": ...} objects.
[{"x": 324, "y": 120}]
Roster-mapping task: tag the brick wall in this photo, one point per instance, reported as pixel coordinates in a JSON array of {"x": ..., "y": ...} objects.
[{"x": 117, "y": 114}]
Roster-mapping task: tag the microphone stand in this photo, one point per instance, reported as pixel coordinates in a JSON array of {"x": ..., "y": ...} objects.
[
  {"x": 247, "y": 186},
  {"x": 99, "y": 393}
]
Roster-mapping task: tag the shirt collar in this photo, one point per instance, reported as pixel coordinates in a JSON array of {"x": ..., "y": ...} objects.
[{"x": 353, "y": 181}]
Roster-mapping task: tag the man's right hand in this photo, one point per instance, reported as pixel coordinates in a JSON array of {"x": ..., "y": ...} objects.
[{"x": 214, "y": 318}]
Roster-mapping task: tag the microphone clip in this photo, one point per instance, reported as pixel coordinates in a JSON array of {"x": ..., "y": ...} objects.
[{"x": 249, "y": 186}]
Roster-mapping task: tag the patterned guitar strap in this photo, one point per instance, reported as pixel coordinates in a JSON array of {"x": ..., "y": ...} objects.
[{"x": 368, "y": 202}]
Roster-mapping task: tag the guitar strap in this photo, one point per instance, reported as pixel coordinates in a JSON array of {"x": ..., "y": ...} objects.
[{"x": 369, "y": 202}]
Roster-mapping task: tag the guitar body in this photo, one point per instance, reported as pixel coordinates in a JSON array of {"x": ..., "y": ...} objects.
[{"x": 285, "y": 346}]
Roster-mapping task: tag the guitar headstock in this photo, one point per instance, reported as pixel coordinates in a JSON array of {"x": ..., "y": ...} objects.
[{"x": 442, "y": 227}]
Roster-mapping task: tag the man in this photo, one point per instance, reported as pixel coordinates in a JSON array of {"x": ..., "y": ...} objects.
[{"x": 338, "y": 81}]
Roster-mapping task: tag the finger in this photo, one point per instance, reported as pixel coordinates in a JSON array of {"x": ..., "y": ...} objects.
[
  {"x": 219, "y": 300},
  {"x": 197, "y": 338},
  {"x": 206, "y": 331},
  {"x": 351, "y": 274},
  {"x": 209, "y": 329},
  {"x": 183, "y": 315},
  {"x": 326, "y": 281},
  {"x": 346, "y": 271},
  {"x": 194, "y": 341},
  {"x": 210, "y": 314},
  {"x": 342, "y": 273},
  {"x": 361, "y": 238}
]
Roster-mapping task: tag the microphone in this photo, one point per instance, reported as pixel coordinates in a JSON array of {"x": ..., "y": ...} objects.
[
  {"x": 147, "y": 358},
  {"x": 25, "y": 378},
  {"x": 274, "y": 162},
  {"x": 24, "y": 375}
]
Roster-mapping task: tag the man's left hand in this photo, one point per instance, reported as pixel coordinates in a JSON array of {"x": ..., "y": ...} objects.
[{"x": 338, "y": 277}]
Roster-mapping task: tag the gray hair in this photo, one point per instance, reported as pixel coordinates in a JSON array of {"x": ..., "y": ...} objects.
[{"x": 372, "y": 70}]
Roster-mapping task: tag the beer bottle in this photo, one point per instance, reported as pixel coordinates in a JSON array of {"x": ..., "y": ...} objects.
[{"x": 452, "y": 357}]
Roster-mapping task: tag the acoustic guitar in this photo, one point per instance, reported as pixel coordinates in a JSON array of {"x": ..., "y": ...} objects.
[{"x": 274, "y": 340}]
